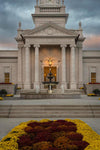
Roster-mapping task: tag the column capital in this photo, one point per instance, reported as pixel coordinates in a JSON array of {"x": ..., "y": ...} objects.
[
  {"x": 63, "y": 45},
  {"x": 72, "y": 45},
  {"x": 27, "y": 45},
  {"x": 36, "y": 45},
  {"x": 20, "y": 46}
]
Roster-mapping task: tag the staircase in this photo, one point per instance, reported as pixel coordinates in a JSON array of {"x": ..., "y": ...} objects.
[
  {"x": 57, "y": 94},
  {"x": 69, "y": 91},
  {"x": 50, "y": 111}
]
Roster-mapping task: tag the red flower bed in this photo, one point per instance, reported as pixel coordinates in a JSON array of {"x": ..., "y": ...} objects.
[
  {"x": 93, "y": 83},
  {"x": 5, "y": 83},
  {"x": 52, "y": 135}
]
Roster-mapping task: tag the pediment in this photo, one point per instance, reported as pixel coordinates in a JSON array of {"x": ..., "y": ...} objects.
[{"x": 49, "y": 29}]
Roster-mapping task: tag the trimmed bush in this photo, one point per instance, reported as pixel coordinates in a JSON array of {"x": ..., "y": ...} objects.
[
  {"x": 0, "y": 93},
  {"x": 3, "y": 92},
  {"x": 96, "y": 91}
]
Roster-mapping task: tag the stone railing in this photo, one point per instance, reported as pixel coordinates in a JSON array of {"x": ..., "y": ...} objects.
[{"x": 49, "y": 9}]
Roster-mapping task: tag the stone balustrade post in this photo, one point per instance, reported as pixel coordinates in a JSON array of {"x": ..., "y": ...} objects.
[{"x": 72, "y": 68}]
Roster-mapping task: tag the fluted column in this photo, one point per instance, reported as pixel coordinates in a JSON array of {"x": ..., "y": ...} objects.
[
  {"x": 63, "y": 84},
  {"x": 72, "y": 68},
  {"x": 37, "y": 82},
  {"x": 20, "y": 65},
  {"x": 27, "y": 67},
  {"x": 80, "y": 67}
]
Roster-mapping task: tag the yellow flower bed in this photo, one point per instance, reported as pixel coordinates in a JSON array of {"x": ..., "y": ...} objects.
[
  {"x": 9, "y": 95},
  {"x": 9, "y": 142},
  {"x": 1, "y": 98},
  {"x": 81, "y": 87},
  {"x": 91, "y": 94},
  {"x": 19, "y": 88},
  {"x": 99, "y": 98}
]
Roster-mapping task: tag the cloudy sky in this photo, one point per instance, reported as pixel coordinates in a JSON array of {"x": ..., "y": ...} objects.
[{"x": 13, "y": 11}]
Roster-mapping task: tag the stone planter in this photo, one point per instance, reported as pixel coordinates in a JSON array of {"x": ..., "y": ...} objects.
[
  {"x": 91, "y": 87},
  {"x": 8, "y": 87}
]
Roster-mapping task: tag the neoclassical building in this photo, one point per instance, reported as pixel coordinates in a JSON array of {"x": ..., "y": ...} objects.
[{"x": 50, "y": 42}]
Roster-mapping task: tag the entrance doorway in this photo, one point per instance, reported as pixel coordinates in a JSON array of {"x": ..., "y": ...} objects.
[{"x": 54, "y": 73}]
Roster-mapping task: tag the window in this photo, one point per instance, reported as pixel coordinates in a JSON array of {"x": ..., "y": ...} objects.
[
  {"x": 7, "y": 77},
  {"x": 93, "y": 77}
]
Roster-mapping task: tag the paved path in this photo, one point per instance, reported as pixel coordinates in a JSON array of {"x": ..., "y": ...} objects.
[{"x": 16, "y": 111}]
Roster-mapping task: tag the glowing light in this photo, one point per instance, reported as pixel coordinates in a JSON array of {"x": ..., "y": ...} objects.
[{"x": 50, "y": 62}]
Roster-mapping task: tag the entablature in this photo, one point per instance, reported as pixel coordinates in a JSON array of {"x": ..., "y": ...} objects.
[{"x": 50, "y": 41}]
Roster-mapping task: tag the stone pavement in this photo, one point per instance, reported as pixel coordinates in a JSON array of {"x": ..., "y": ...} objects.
[{"x": 84, "y": 108}]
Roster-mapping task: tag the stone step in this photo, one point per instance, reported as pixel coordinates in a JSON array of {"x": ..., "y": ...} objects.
[
  {"x": 32, "y": 95},
  {"x": 22, "y": 108},
  {"x": 52, "y": 116},
  {"x": 50, "y": 111},
  {"x": 43, "y": 111},
  {"x": 4, "y": 116}
]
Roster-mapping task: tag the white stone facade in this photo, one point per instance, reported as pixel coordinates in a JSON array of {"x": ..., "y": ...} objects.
[{"x": 49, "y": 39}]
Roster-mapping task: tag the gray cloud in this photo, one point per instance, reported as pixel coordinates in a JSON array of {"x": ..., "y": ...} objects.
[
  {"x": 13, "y": 11},
  {"x": 86, "y": 11}
]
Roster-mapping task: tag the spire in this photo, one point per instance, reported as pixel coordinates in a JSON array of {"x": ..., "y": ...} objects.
[
  {"x": 19, "y": 25},
  {"x": 36, "y": 2},
  {"x": 80, "y": 25},
  {"x": 62, "y": 2}
]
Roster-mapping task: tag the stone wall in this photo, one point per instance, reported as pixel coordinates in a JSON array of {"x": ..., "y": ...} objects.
[
  {"x": 10, "y": 88},
  {"x": 91, "y": 87},
  {"x": 8, "y": 64},
  {"x": 91, "y": 59}
]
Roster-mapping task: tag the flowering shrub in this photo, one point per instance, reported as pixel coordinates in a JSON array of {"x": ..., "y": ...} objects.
[
  {"x": 6, "y": 83},
  {"x": 93, "y": 83},
  {"x": 81, "y": 87},
  {"x": 1, "y": 98},
  {"x": 9, "y": 95},
  {"x": 51, "y": 135},
  {"x": 18, "y": 88},
  {"x": 42, "y": 145},
  {"x": 91, "y": 94}
]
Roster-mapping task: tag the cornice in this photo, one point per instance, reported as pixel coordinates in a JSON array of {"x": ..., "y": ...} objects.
[
  {"x": 8, "y": 50},
  {"x": 50, "y": 15},
  {"x": 91, "y": 57},
  {"x": 91, "y": 51},
  {"x": 32, "y": 36}
]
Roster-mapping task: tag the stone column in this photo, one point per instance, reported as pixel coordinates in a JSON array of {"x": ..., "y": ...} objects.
[
  {"x": 80, "y": 67},
  {"x": 72, "y": 68},
  {"x": 63, "y": 84},
  {"x": 20, "y": 65},
  {"x": 27, "y": 68},
  {"x": 37, "y": 83}
]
